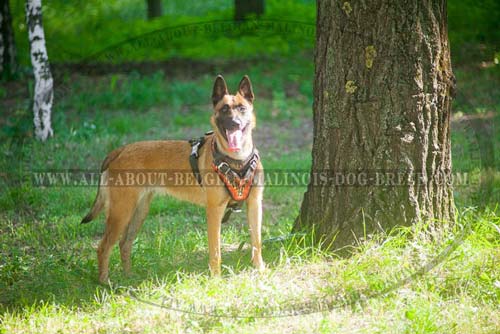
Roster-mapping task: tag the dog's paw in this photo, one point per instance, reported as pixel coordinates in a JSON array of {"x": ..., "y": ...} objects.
[
  {"x": 260, "y": 266},
  {"x": 104, "y": 280},
  {"x": 215, "y": 270}
]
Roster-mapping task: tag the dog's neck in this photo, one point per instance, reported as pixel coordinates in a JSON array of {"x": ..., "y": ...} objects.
[{"x": 243, "y": 154}]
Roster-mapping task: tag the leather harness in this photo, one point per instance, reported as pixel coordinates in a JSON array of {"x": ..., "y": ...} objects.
[{"x": 237, "y": 175}]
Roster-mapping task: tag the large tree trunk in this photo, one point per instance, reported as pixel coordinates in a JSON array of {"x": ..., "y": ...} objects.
[
  {"x": 382, "y": 100},
  {"x": 154, "y": 9},
  {"x": 8, "y": 62},
  {"x": 244, "y": 8},
  {"x": 43, "y": 96}
]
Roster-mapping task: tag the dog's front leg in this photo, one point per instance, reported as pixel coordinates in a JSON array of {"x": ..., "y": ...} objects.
[
  {"x": 254, "y": 216},
  {"x": 215, "y": 212}
]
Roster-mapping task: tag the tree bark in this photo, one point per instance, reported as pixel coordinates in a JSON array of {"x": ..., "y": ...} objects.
[
  {"x": 43, "y": 95},
  {"x": 8, "y": 64},
  {"x": 154, "y": 9},
  {"x": 382, "y": 96},
  {"x": 244, "y": 8}
]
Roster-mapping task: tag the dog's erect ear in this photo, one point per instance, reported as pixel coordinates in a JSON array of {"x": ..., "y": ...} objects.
[
  {"x": 245, "y": 89},
  {"x": 220, "y": 89}
]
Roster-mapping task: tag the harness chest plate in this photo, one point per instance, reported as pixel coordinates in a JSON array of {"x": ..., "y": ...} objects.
[{"x": 237, "y": 175}]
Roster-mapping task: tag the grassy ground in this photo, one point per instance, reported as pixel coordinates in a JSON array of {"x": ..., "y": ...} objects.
[{"x": 48, "y": 266}]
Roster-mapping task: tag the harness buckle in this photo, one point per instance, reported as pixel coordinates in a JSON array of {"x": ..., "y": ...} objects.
[
  {"x": 235, "y": 207},
  {"x": 194, "y": 149},
  {"x": 224, "y": 167},
  {"x": 253, "y": 163}
]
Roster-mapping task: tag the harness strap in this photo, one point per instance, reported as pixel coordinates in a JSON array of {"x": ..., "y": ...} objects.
[
  {"x": 196, "y": 144},
  {"x": 231, "y": 207},
  {"x": 234, "y": 164}
]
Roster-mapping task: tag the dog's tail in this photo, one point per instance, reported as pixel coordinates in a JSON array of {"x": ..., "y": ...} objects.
[
  {"x": 96, "y": 207},
  {"x": 101, "y": 197}
]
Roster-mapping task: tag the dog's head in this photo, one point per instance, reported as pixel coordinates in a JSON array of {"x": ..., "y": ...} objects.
[{"x": 233, "y": 119}]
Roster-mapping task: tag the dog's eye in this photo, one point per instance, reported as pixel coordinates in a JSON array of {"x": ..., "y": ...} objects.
[
  {"x": 242, "y": 109},
  {"x": 225, "y": 109}
]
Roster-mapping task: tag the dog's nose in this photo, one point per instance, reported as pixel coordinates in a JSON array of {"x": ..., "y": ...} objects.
[{"x": 232, "y": 124}]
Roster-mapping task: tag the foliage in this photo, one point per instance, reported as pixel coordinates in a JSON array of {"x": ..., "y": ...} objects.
[
  {"x": 71, "y": 36},
  {"x": 204, "y": 31},
  {"x": 472, "y": 23}
]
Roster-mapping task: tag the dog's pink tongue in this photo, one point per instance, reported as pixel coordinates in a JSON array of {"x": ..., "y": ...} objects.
[{"x": 234, "y": 139}]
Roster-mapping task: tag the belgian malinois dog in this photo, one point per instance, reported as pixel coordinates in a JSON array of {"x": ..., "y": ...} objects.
[{"x": 230, "y": 145}]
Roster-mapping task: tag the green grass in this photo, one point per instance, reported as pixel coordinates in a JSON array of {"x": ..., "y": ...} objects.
[
  {"x": 48, "y": 269},
  {"x": 51, "y": 283}
]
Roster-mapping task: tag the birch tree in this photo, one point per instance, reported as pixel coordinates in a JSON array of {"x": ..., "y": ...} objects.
[
  {"x": 382, "y": 106},
  {"x": 7, "y": 45},
  {"x": 44, "y": 94}
]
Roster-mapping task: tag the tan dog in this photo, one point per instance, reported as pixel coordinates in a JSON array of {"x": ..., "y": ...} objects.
[{"x": 127, "y": 203}]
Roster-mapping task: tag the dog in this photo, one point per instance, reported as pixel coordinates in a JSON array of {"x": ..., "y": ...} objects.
[{"x": 226, "y": 154}]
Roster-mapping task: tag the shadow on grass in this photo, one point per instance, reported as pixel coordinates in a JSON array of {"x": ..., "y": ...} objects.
[{"x": 59, "y": 265}]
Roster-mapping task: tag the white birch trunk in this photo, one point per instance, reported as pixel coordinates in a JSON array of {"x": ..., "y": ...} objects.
[{"x": 44, "y": 94}]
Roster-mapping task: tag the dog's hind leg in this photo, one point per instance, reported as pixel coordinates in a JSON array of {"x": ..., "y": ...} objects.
[
  {"x": 119, "y": 214},
  {"x": 141, "y": 211}
]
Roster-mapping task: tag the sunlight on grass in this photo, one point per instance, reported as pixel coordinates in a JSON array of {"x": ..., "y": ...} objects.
[{"x": 301, "y": 279}]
